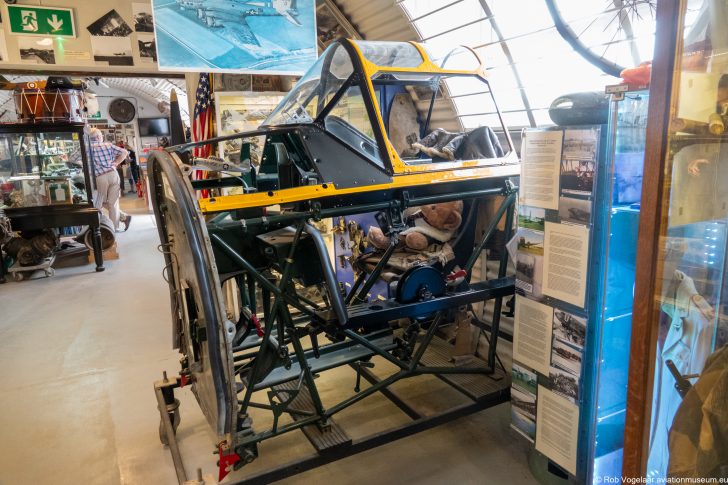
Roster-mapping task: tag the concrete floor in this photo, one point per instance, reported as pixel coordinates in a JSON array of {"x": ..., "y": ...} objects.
[{"x": 79, "y": 354}]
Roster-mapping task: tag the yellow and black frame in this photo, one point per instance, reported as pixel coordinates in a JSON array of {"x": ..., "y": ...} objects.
[{"x": 327, "y": 153}]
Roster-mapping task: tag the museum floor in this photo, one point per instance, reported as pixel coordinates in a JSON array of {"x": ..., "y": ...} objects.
[{"x": 79, "y": 357}]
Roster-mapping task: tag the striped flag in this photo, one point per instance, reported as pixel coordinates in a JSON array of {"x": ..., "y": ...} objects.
[{"x": 202, "y": 122}]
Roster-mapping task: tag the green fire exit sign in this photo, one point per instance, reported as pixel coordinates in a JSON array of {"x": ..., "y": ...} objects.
[{"x": 30, "y": 20}]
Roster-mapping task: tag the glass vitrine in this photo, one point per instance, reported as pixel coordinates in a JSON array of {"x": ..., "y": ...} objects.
[
  {"x": 42, "y": 165},
  {"x": 685, "y": 420}
]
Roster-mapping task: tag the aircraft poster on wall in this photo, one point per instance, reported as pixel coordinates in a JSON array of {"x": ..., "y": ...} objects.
[{"x": 251, "y": 36}]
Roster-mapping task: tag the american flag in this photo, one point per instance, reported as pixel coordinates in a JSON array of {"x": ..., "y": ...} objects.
[{"x": 202, "y": 122}]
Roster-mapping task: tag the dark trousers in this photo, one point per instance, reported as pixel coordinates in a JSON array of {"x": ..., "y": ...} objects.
[{"x": 120, "y": 171}]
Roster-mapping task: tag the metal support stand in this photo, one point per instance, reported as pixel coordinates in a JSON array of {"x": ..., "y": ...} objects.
[{"x": 164, "y": 390}]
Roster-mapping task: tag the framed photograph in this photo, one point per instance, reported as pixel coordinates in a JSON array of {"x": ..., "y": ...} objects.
[
  {"x": 59, "y": 191},
  {"x": 239, "y": 111},
  {"x": 254, "y": 37}
]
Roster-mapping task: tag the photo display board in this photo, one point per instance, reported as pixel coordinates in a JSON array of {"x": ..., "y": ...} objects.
[{"x": 551, "y": 251}]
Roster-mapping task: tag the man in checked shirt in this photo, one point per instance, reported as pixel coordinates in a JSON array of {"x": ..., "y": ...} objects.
[{"x": 106, "y": 157}]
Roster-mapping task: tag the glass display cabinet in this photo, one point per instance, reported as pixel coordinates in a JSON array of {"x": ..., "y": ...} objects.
[
  {"x": 45, "y": 179},
  {"x": 677, "y": 425},
  {"x": 616, "y": 228},
  {"x": 571, "y": 401}
]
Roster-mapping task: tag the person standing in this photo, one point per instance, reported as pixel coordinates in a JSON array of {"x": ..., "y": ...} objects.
[
  {"x": 133, "y": 169},
  {"x": 106, "y": 158}
]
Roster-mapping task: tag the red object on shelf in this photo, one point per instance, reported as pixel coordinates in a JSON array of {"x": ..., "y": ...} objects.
[{"x": 639, "y": 76}]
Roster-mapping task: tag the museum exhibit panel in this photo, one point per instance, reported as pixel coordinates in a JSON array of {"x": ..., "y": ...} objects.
[
  {"x": 575, "y": 267},
  {"x": 409, "y": 241}
]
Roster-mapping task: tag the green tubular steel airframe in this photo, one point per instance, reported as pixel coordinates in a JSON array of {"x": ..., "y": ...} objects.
[{"x": 259, "y": 252}]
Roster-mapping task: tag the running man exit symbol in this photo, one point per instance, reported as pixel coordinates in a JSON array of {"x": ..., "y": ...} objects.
[{"x": 30, "y": 20}]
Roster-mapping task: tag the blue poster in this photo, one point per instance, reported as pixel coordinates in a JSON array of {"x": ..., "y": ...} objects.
[{"x": 251, "y": 36}]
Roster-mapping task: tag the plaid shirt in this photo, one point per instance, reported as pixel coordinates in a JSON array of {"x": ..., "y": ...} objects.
[{"x": 103, "y": 155}]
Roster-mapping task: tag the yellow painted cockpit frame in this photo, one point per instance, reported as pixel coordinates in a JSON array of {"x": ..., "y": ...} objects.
[{"x": 403, "y": 175}]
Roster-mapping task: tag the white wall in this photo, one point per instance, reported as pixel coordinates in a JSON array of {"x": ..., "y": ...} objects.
[
  {"x": 144, "y": 109},
  {"x": 85, "y": 13}
]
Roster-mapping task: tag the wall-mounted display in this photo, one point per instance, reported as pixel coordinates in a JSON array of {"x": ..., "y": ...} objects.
[
  {"x": 235, "y": 36},
  {"x": 589, "y": 240}
]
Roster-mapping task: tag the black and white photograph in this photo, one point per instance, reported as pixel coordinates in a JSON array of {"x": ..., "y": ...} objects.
[
  {"x": 529, "y": 274},
  {"x": 147, "y": 47},
  {"x": 36, "y": 50},
  {"x": 115, "y": 51},
  {"x": 523, "y": 378},
  {"x": 577, "y": 176},
  {"x": 523, "y": 413},
  {"x": 524, "y": 402},
  {"x": 143, "y": 20},
  {"x": 566, "y": 357},
  {"x": 575, "y": 210},
  {"x": 569, "y": 328},
  {"x": 564, "y": 383},
  {"x": 580, "y": 144},
  {"x": 111, "y": 25}
]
